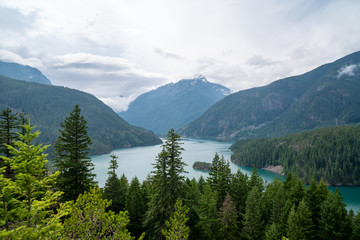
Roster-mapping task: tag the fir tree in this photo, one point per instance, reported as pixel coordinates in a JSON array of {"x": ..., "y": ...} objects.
[
  {"x": 334, "y": 223},
  {"x": 136, "y": 206},
  {"x": 300, "y": 223},
  {"x": 176, "y": 228},
  {"x": 228, "y": 219},
  {"x": 9, "y": 126},
  {"x": 220, "y": 177},
  {"x": 88, "y": 219},
  {"x": 166, "y": 184},
  {"x": 253, "y": 224},
  {"x": 28, "y": 199},
  {"x": 112, "y": 188},
  {"x": 72, "y": 148}
]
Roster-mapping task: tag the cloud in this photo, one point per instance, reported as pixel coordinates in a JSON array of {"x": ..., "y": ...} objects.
[
  {"x": 9, "y": 56},
  {"x": 349, "y": 70},
  {"x": 260, "y": 61},
  {"x": 89, "y": 61},
  {"x": 167, "y": 55}
]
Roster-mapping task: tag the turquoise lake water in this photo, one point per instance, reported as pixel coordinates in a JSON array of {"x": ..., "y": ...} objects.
[{"x": 138, "y": 162}]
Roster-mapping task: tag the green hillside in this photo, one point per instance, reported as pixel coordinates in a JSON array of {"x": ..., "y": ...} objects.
[
  {"x": 325, "y": 96},
  {"x": 331, "y": 153},
  {"x": 48, "y": 105},
  {"x": 174, "y": 105}
]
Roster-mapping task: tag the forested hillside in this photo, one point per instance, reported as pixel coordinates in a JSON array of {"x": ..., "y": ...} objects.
[
  {"x": 330, "y": 153},
  {"x": 21, "y": 72},
  {"x": 174, "y": 105},
  {"x": 47, "y": 106},
  {"x": 325, "y": 96}
]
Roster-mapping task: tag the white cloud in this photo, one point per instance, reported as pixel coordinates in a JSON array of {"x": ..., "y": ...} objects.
[{"x": 348, "y": 70}]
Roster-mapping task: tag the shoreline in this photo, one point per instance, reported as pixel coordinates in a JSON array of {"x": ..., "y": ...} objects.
[{"x": 278, "y": 169}]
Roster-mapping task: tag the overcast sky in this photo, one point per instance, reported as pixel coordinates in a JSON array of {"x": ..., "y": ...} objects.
[{"x": 119, "y": 49}]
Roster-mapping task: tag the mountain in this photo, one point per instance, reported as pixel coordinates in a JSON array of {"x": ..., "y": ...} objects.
[
  {"x": 48, "y": 105},
  {"x": 330, "y": 153},
  {"x": 325, "y": 96},
  {"x": 174, "y": 105},
  {"x": 21, "y": 72}
]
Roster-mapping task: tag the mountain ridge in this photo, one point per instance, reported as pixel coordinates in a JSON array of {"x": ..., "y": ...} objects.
[
  {"x": 174, "y": 104},
  {"x": 322, "y": 97},
  {"x": 23, "y": 72},
  {"x": 49, "y": 105}
]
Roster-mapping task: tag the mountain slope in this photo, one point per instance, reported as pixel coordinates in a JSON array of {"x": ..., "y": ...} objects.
[
  {"x": 325, "y": 96},
  {"x": 330, "y": 153},
  {"x": 174, "y": 105},
  {"x": 47, "y": 106},
  {"x": 21, "y": 72}
]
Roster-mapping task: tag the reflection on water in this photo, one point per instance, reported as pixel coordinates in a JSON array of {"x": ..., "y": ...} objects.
[{"x": 138, "y": 162}]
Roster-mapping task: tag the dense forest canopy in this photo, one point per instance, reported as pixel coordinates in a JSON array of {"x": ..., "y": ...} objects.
[{"x": 330, "y": 153}]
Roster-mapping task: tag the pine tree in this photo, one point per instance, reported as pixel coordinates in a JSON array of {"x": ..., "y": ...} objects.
[
  {"x": 176, "y": 228},
  {"x": 253, "y": 224},
  {"x": 166, "y": 184},
  {"x": 9, "y": 126},
  {"x": 208, "y": 212},
  {"x": 228, "y": 219},
  {"x": 300, "y": 225},
  {"x": 28, "y": 200},
  {"x": 88, "y": 219},
  {"x": 72, "y": 148},
  {"x": 136, "y": 206},
  {"x": 334, "y": 223},
  {"x": 220, "y": 177},
  {"x": 112, "y": 188}
]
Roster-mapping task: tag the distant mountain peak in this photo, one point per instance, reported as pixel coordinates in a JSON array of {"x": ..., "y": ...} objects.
[
  {"x": 200, "y": 77},
  {"x": 23, "y": 73}
]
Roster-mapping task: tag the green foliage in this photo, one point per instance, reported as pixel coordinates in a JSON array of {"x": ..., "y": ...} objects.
[
  {"x": 176, "y": 228},
  {"x": 208, "y": 212},
  {"x": 47, "y": 104},
  {"x": 72, "y": 149},
  {"x": 220, "y": 177},
  {"x": 328, "y": 153},
  {"x": 88, "y": 219},
  {"x": 253, "y": 224},
  {"x": 334, "y": 223},
  {"x": 300, "y": 224},
  {"x": 166, "y": 183},
  {"x": 27, "y": 201},
  {"x": 136, "y": 206},
  {"x": 204, "y": 166},
  {"x": 115, "y": 189},
  {"x": 228, "y": 219}
]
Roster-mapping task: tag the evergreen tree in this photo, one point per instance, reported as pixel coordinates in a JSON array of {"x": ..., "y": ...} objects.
[
  {"x": 239, "y": 190},
  {"x": 334, "y": 223},
  {"x": 28, "y": 200},
  {"x": 166, "y": 184},
  {"x": 176, "y": 228},
  {"x": 253, "y": 224},
  {"x": 88, "y": 219},
  {"x": 220, "y": 177},
  {"x": 9, "y": 126},
  {"x": 356, "y": 227},
  {"x": 112, "y": 188},
  {"x": 228, "y": 219},
  {"x": 315, "y": 195},
  {"x": 300, "y": 223},
  {"x": 208, "y": 212},
  {"x": 136, "y": 206},
  {"x": 72, "y": 148}
]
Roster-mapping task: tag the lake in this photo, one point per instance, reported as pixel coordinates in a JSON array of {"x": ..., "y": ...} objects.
[{"x": 138, "y": 162}]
